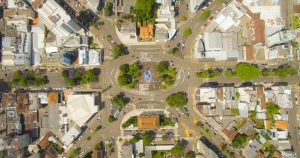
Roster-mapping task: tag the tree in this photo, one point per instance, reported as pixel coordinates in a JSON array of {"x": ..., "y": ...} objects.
[
  {"x": 163, "y": 66},
  {"x": 91, "y": 76},
  {"x": 173, "y": 51},
  {"x": 120, "y": 100},
  {"x": 239, "y": 140},
  {"x": 108, "y": 9},
  {"x": 178, "y": 148},
  {"x": 183, "y": 18},
  {"x": 65, "y": 74},
  {"x": 148, "y": 137},
  {"x": 271, "y": 110},
  {"x": 124, "y": 68},
  {"x": 284, "y": 72},
  {"x": 118, "y": 50},
  {"x": 190, "y": 154},
  {"x": 229, "y": 73},
  {"x": 124, "y": 79},
  {"x": 178, "y": 99},
  {"x": 247, "y": 71},
  {"x": 135, "y": 138},
  {"x": 111, "y": 119},
  {"x": 187, "y": 32},
  {"x": 144, "y": 10},
  {"x": 205, "y": 14}
]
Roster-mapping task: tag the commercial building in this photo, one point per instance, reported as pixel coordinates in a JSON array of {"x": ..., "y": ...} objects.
[
  {"x": 56, "y": 19},
  {"x": 89, "y": 57},
  {"x": 218, "y": 46}
]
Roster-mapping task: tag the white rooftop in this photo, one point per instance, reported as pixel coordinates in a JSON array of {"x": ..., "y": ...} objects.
[
  {"x": 72, "y": 134},
  {"x": 80, "y": 107}
]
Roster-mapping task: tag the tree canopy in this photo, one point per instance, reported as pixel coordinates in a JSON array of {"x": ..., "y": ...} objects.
[
  {"x": 247, "y": 71},
  {"x": 166, "y": 73},
  {"x": 187, "y": 32},
  {"x": 108, "y": 9},
  {"x": 239, "y": 140},
  {"x": 177, "y": 99},
  {"x": 120, "y": 100},
  {"x": 144, "y": 11},
  {"x": 148, "y": 137},
  {"x": 129, "y": 74},
  {"x": 29, "y": 77},
  {"x": 178, "y": 149},
  {"x": 119, "y": 50}
]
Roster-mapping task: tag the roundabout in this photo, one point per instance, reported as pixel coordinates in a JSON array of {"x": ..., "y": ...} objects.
[{"x": 148, "y": 82}]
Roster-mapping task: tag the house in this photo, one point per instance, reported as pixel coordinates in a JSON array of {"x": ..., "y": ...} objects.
[
  {"x": 128, "y": 31},
  {"x": 165, "y": 27},
  {"x": 280, "y": 95},
  {"x": 229, "y": 18},
  {"x": 207, "y": 100},
  {"x": 218, "y": 46},
  {"x": 56, "y": 19},
  {"x": 146, "y": 32},
  {"x": 148, "y": 122},
  {"x": 252, "y": 149}
]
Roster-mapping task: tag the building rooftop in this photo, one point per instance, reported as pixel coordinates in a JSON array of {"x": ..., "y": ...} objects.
[
  {"x": 281, "y": 124},
  {"x": 80, "y": 107},
  {"x": 71, "y": 135},
  {"x": 52, "y": 98},
  {"x": 252, "y": 149},
  {"x": 146, "y": 31},
  {"x": 148, "y": 122}
]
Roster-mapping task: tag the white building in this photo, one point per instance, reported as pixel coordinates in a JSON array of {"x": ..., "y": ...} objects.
[
  {"x": 89, "y": 57},
  {"x": 229, "y": 17},
  {"x": 165, "y": 27},
  {"x": 281, "y": 37},
  {"x": 57, "y": 19},
  {"x": 71, "y": 135},
  {"x": 80, "y": 107}
]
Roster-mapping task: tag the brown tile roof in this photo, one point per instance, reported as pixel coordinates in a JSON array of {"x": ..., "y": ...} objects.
[
  {"x": 22, "y": 102},
  {"x": 9, "y": 13},
  {"x": 261, "y": 97},
  {"x": 277, "y": 154},
  {"x": 148, "y": 122},
  {"x": 231, "y": 133},
  {"x": 297, "y": 8},
  {"x": 36, "y": 4},
  {"x": 267, "y": 124},
  {"x": 259, "y": 155},
  {"x": 146, "y": 31},
  {"x": 36, "y": 20},
  {"x": 29, "y": 119},
  {"x": 249, "y": 53},
  {"x": 281, "y": 124},
  {"x": 7, "y": 99},
  {"x": 52, "y": 98},
  {"x": 257, "y": 26}
]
